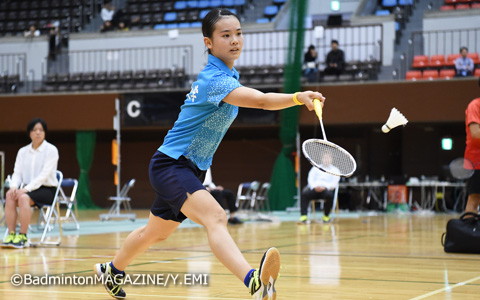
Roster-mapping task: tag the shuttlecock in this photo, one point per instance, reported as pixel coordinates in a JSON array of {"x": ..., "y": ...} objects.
[{"x": 395, "y": 119}]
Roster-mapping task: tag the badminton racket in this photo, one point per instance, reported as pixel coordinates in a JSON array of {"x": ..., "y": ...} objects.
[
  {"x": 461, "y": 168},
  {"x": 325, "y": 155}
]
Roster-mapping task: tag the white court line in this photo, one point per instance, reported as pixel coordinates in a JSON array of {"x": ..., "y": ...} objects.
[
  {"x": 129, "y": 294},
  {"x": 450, "y": 287}
]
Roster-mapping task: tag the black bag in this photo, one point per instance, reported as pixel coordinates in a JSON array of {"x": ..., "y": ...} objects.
[{"x": 463, "y": 234}]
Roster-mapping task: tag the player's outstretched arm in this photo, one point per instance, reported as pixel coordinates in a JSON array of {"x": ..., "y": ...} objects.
[{"x": 252, "y": 98}]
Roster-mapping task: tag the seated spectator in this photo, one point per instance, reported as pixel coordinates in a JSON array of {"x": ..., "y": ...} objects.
[
  {"x": 226, "y": 198},
  {"x": 321, "y": 185},
  {"x": 310, "y": 64},
  {"x": 464, "y": 65},
  {"x": 111, "y": 18},
  {"x": 335, "y": 60},
  {"x": 33, "y": 183},
  {"x": 122, "y": 26},
  {"x": 107, "y": 13},
  {"x": 31, "y": 32}
]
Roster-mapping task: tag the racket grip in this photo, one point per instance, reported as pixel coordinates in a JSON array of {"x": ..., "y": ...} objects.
[{"x": 317, "y": 105}]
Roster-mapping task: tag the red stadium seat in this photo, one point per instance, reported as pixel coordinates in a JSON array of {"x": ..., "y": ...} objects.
[
  {"x": 447, "y": 73},
  {"x": 474, "y": 56},
  {"x": 476, "y": 73},
  {"x": 447, "y": 7},
  {"x": 430, "y": 74},
  {"x": 413, "y": 75},
  {"x": 451, "y": 2},
  {"x": 437, "y": 61},
  {"x": 475, "y": 5},
  {"x": 451, "y": 59},
  {"x": 462, "y": 6},
  {"x": 420, "y": 61}
]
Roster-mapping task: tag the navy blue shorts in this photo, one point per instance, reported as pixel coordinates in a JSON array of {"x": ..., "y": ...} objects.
[
  {"x": 473, "y": 183},
  {"x": 172, "y": 179}
]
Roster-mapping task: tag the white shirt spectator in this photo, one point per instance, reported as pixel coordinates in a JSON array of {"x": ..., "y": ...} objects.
[
  {"x": 107, "y": 14},
  {"x": 35, "y": 167},
  {"x": 318, "y": 178},
  {"x": 208, "y": 182}
]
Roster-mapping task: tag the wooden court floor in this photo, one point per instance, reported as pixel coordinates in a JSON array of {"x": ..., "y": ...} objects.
[{"x": 358, "y": 257}]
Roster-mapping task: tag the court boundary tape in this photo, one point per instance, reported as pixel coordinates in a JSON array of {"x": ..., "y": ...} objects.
[{"x": 449, "y": 287}]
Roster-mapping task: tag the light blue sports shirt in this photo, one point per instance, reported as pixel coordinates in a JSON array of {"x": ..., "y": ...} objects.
[{"x": 204, "y": 118}]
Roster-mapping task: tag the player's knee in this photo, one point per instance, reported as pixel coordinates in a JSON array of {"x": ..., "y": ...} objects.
[
  {"x": 150, "y": 235},
  {"x": 218, "y": 217}
]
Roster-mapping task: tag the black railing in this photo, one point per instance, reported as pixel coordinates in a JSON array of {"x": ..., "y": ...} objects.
[{"x": 13, "y": 72}]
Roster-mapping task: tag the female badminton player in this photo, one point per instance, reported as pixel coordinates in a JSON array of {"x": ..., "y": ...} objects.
[{"x": 178, "y": 166}]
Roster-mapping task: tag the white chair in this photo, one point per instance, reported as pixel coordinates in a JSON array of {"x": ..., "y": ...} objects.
[
  {"x": 49, "y": 216},
  {"x": 69, "y": 201},
  {"x": 261, "y": 198},
  {"x": 121, "y": 199},
  {"x": 322, "y": 203},
  {"x": 246, "y": 193}
]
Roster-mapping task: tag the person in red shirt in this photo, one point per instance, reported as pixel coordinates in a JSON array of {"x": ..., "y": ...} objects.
[{"x": 472, "y": 153}]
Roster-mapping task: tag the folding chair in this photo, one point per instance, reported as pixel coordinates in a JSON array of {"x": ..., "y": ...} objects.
[
  {"x": 50, "y": 215},
  {"x": 261, "y": 198},
  {"x": 322, "y": 202},
  {"x": 70, "y": 201},
  {"x": 247, "y": 192},
  {"x": 261, "y": 203},
  {"x": 122, "y": 198}
]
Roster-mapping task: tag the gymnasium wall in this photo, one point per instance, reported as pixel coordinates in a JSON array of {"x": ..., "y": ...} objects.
[
  {"x": 451, "y": 20},
  {"x": 35, "y": 51},
  {"x": 353, "y": 117}
]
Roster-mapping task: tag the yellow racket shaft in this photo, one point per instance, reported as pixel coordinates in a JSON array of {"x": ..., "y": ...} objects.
[{"x": 317, "y": 105}]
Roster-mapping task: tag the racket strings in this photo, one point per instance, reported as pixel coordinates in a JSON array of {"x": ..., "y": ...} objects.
[
  {"x": 461, "y": 168},
  {"x": 329, "y": 157}
]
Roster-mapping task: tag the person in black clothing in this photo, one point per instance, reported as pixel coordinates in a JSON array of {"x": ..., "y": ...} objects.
[
  {"x": 53, "y": 41},
  {"x": 335, "y": 60},
  {"x": 226, "y": 198},
  {"x": 310, "y": 64}
]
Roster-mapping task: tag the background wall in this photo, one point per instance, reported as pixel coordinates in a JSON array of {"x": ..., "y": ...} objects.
[
  {"x": 63, "y": 112},
  {"x": 36, "y": 50},
  {"x": 438, "y": 20}
]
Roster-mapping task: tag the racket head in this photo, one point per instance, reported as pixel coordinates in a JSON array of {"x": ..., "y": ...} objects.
[
  {"x": 461, "y": 168},
  {"x": 321, "y": 153}
]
